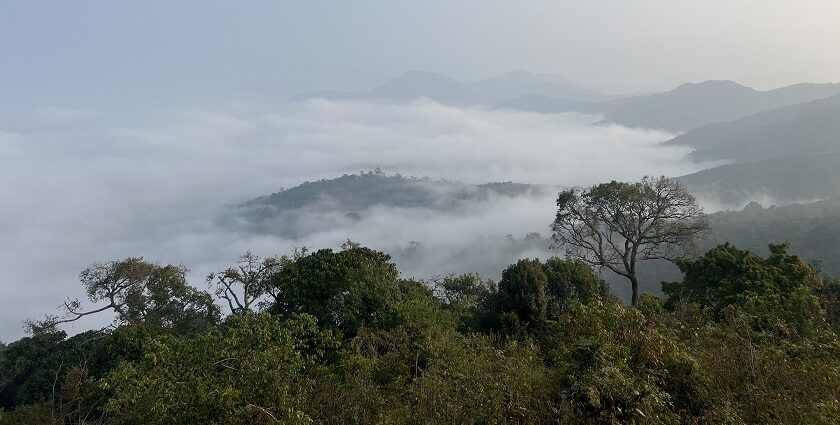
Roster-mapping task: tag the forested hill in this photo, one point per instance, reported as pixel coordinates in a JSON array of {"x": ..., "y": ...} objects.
[
  {"x": 806, "y": 226},
  {"x": 805, "y": 129},
  {"x": 359, "y": 192},
  {"x": 812, "y": 229},
  {"x": 781, "y": 181}
]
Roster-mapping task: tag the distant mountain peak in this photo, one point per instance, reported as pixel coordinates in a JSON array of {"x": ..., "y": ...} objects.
[
  {"x": 712, "y": 85},
  {"x": 519, "y": 71},
  {"x": 413, "y": 74}
]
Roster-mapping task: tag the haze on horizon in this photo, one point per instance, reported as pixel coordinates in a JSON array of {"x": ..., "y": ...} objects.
[{"x": 89, "y": 53}]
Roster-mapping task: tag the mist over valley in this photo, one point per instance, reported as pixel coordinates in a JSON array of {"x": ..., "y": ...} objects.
[{"x": 208, "y": 184}]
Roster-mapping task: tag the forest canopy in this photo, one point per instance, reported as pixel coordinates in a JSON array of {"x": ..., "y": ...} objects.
[{"x": 341, "y": 337}]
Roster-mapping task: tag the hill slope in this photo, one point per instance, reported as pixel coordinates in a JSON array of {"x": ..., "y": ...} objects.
[
  {"x": 813, "y": 229},
  {"x": 784, "y": 180},
  {"x": 358, "y": 192},
  {"x": 690, "y": 106},
  {"x": 803, "y": 129}
]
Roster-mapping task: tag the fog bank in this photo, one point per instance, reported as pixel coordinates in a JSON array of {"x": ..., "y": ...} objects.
[{"x": 84, "y": 185}]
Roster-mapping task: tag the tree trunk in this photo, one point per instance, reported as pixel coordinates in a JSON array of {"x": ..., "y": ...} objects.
[{"x": 634, "y": 283}]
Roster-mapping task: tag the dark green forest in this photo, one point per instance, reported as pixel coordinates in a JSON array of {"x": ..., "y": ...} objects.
[{"x": 339, "y": 337}]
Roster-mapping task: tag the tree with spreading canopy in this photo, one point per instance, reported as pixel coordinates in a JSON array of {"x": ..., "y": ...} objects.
[
  {"x": 344, "y": 290},
  {"x": 615, "y": 225},
  {"x": 138, "y": 291}
]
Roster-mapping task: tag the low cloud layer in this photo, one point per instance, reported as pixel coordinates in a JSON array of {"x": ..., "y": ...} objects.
[{"x": 83, "y": 185}]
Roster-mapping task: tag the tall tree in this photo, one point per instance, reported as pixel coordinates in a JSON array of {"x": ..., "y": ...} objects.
[
  {"x": 522, "y": 291},
  {"x": 138, "y": 291},
  {"x": 344, "y": 290},
  {"x": 242, "y": 286},
  {"x": 615, "y": 225}
]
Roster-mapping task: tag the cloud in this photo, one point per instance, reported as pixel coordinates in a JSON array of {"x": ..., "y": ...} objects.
[{"x": 83, "y": 185}]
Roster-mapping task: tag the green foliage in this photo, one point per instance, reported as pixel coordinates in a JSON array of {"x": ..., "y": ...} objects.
[
  {"x": 776, "y": 292},
  {"x": 741, "y": 340},
  {"x": 56, "y": 374},
  {"x": 253, "y": 372},
  {"x": 616, "y": 366},
  {"x": 137, "y": 291},
  {"x": 754, "y": 379},
  {"x": 522, "y": 292},
  {"x": 344, "y": 290},
  {"x": 424, "y": 371},
  {"x": 811, "y": 228},
  {"x": 531, "y": 293},
  {"x": 29, "y": 367},
  {"x": 33, "y": 368},
  {"x": 473, "y": 380},
  {"x": 572, "y": 281},
  {"x": 829, "y": 295}
]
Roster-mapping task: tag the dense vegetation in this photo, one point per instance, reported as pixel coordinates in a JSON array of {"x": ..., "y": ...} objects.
[
  {"x": 812, "y": 229},
  {"x": 340, "y": 337}
]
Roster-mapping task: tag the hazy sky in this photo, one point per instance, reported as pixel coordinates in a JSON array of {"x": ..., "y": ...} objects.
[{"x": 70, "y": 52}]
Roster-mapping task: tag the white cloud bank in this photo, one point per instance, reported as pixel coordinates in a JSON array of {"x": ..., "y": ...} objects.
[{"x": 83, "y": 185}]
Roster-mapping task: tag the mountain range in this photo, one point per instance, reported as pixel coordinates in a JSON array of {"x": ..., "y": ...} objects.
[
  {"x": 690, "y": 106},
  {"x": 685, "y": 108},
  {"x": 440, "y": 88}
]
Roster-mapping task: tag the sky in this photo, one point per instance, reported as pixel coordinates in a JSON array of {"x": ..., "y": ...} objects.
[
  {"x": 133, "y": 128},
  {"x": 190, "y": 51}
]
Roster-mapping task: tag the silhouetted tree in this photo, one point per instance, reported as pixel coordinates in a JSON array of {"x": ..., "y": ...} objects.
[{"x": 615, "y": 225}]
